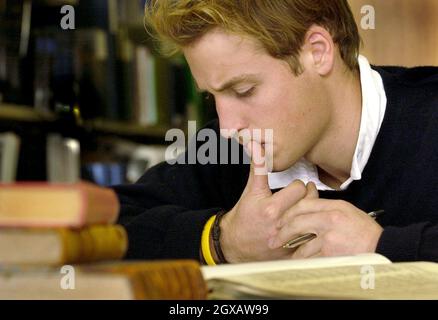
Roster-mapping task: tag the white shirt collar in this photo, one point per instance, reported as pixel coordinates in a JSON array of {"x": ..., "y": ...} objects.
[{"x": 373, "y": 111}]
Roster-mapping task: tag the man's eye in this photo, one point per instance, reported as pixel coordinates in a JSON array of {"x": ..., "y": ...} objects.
[{"x": 245, "y": 94}]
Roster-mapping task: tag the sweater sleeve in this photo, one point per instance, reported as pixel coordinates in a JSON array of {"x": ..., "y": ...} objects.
[
  {"x": 165, "y": 211},
  {"x": 417, "y": 242}
]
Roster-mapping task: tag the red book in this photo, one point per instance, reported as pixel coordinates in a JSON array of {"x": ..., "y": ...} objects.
[{"x": 43, "y": 204}]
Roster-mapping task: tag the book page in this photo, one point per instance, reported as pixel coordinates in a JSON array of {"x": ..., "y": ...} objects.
[
  {"x": 387, "y": 281},
  {"x": 210, "y": 272}
]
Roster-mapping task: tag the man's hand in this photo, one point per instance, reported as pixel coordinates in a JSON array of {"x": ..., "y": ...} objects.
[
  {"x": 247, "y": 228},
  {"x": 341, "y": 229}
]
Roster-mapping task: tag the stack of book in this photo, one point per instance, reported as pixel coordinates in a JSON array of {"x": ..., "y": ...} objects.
[
  {"x": 43, "y": 224},
  {"x": 60, "y": 241}
]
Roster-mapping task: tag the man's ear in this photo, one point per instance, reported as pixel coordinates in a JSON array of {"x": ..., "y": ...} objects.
[{"x": 320, "y": 50}]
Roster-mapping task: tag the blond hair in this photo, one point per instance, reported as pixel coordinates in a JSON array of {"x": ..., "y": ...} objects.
[{"x": 279, "y": 26}]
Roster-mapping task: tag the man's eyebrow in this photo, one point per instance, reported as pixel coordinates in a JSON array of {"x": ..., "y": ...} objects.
[{"x": 232, "y": 82}]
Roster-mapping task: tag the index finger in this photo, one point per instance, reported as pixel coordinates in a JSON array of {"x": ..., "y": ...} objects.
[{"x": 258, "y": 175}]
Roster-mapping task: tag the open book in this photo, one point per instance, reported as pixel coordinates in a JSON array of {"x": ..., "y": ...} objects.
[{"x": 368, "y": 276}]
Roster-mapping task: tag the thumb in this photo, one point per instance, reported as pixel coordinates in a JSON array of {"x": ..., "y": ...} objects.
[
  {"x": 312, "y": 191},
  {"x": 258, "y": 175}
]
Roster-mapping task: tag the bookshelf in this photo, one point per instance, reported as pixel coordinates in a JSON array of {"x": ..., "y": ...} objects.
[
  {"x": 126, "y": 129},
  {"x": 27, "y": 114},
  {"x": 103, "y": 80},
  {"x": 23, "y": 113}
]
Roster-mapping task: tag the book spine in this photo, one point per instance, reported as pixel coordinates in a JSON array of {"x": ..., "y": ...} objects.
[
  {"x": 96, "y": 243},
  {"x": 99, "y": 206},
  {"x": 165, "y": 280}
]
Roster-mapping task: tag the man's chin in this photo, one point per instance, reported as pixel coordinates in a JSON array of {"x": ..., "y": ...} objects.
[{"x": 277, "y": 168}]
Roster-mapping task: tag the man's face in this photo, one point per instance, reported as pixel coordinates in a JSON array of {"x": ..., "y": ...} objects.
[{"x": 253, "y": 90}]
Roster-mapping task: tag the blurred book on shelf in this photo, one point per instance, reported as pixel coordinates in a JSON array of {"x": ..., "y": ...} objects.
[
  {"x": 94, "y": 74},
  {"x": 131, "y": 13},
  {"x": 9, "y": 155},
  {"x": 105, "y": 173},
  {"x": 55, "y": 85},
  {"x": 145, "y": 95},
  {"x": 126, "y": 161},
  {"x": 126, "y": 77},
  {"x": 15, "y": 33},
  {"x": 63, "y": 159}
]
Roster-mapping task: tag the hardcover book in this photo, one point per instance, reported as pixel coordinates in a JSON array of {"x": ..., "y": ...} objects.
[{"x": 41, "y": 204}]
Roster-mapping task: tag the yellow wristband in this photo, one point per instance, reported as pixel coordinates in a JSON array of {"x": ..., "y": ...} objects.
[{"x": 205, "y": 242}]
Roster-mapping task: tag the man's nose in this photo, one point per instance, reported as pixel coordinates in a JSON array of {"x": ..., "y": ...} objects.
[{"x": 231, "y": 118}]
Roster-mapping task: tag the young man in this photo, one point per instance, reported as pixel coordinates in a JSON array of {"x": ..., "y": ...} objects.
[{"x": 348, "y": 139}]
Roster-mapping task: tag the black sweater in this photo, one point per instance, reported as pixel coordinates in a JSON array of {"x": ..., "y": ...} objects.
[{"x": 165, "y": 211}]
